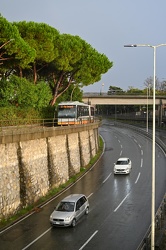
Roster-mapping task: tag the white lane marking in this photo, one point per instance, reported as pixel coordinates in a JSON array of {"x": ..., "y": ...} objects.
[
  {"x": 90, "y": 195},
  {"x": 121, "y": 202},
  {"x": 16, "y": 223},
  {"x": 89, "y": 239},
  {"x": 107, "y": 178},
  {"x": 121, "y": 153},
  {"x": 137, "y": 178},
  {"x": 141, "y": 162},
  {"x": 141, "y": 152},
  {"x": 121, "y": 146},
  {"x": 139, "y": 145},
  {"x": 119, "y": 141},
  {"x": 135, "y": 140},
  {"x": 37, "y": 238}
]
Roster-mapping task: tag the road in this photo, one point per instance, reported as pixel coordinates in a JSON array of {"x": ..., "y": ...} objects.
[{"x": 120, "y": 206}]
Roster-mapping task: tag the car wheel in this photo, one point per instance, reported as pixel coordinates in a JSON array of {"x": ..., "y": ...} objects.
[
  {"x": 87, "y": 211},
  {"x": 73, "y": 224}
]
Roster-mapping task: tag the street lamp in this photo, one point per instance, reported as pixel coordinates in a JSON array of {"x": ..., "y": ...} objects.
[
  {"x": 153, "y": 139},
  {"x": 147, "y": 110},
  {"x": 102, "y": 86}
]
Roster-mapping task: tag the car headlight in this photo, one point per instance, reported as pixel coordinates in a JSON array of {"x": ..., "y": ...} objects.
[{"x": 68, "y": 219}]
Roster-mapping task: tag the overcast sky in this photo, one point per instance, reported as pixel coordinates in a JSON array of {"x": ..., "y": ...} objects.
[{"x": 107, "y": 25}]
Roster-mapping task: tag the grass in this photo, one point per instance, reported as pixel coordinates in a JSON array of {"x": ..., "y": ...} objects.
[{"x": 5, "y": 222}]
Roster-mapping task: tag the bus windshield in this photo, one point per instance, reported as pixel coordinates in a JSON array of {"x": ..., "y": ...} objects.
[{"x": 67, "y": 112}]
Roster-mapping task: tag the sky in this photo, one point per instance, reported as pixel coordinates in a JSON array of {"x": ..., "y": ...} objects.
[{"x": 107, "y": 25}]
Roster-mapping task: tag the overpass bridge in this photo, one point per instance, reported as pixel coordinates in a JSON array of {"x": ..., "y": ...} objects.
[
  {"x": 125, "y": 100},
  {"x": 105, "y": 99}
]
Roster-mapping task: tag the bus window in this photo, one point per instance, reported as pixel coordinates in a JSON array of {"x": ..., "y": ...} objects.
[
  {"x": 67, "y": 112},
  {"x": 83, "y": 111}
]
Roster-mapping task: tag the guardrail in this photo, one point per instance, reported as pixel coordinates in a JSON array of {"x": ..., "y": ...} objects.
[
  {"x": 160, "y": 218},
  {"x": 16, "y": 126},
  {"x": 160, "y": 229},
  {"x": 144, "y": 132}
]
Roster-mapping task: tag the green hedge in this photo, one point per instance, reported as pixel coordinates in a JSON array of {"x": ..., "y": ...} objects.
[{"x": 12, "y": 116}]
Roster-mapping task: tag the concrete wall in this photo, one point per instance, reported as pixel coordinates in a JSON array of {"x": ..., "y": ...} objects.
[{"x": 33, "y": 163}]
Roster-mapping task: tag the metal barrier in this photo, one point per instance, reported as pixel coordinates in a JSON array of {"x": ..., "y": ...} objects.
[
  {"x": 144, "y": 132},
  {"x": 31, "y": 126}
]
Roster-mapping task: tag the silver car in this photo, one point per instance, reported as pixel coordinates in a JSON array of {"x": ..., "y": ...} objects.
[
  {"x": 69, "y": 210},
  {"x": 122, "y": 166}
]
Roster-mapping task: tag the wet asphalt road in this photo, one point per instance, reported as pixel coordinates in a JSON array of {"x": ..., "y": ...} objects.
[{"x": 120, "y": 206}]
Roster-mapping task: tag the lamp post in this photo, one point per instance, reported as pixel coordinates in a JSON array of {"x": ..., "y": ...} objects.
[
  {"x": 147, "y": 111},
  {"x": 153, "y": 139},
  {"x": 102, "y": 87},
  {"x": 147, "y": 116}
]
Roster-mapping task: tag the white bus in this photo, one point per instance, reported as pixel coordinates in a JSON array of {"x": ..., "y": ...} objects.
[{"x": 74, "y": 112}]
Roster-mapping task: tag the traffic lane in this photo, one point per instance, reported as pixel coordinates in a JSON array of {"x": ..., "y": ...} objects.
[
  {"x": 27, "y": 230},
  {"x": 92, "y": 180},
  {"x": 138, "y": 219},
  {"x": 94, "y": 173},
  {"x": 31, "y": 228},
  {"x": 131, "y": 229},
  {"x": 101, "y": 207},
  {"x": 146, "y": 166},
  {"x": 131, "y": 221},
  {"x": 124, "y": 225},
  {"x": 116, "y": 145},
  {"x": 122, "y": 140},
  {"x": 83, "y": 185},
  {"x": 123, "y": 229},
  {"x": 127, "y": 226},
  {"x": 102, "y": 217}
]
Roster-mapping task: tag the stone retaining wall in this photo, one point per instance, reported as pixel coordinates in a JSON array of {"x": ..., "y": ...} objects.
[{"x": 30, "y": 165}]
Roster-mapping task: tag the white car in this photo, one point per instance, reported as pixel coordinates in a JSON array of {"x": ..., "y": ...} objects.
[
  {"x": 69, "y": 210},
  {"x": 122, "y": 166}
]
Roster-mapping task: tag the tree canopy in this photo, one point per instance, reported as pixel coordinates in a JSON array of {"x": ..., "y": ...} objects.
[
  {"x": 38, "y": 52},
  {"x": 14, "y": 51},
  {"x": 160, "y": 88}
]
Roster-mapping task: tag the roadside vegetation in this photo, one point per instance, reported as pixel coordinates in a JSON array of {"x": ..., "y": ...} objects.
[
  {"x": 40, "y": 67},
  {"x": 147, "y": 90}
]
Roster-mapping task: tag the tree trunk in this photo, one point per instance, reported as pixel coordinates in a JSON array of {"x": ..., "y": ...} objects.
[
  {"x": 34, "y": 73},
  {"x": 21, "y": 74}
]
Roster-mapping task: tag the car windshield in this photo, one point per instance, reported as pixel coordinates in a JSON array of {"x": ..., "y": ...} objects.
[
  {"x": 65, "y": 207},
  {"x": 122, "y": 163}
]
